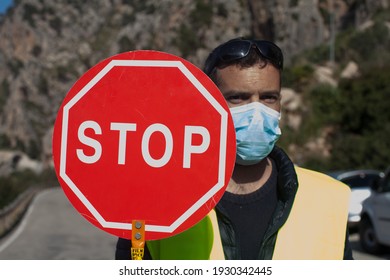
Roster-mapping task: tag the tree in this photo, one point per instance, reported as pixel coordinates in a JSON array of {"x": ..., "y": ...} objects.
[{"x": 362, "y": 138}]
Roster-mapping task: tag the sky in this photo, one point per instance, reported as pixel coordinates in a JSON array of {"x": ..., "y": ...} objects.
[{"x": 4, "y": 4}]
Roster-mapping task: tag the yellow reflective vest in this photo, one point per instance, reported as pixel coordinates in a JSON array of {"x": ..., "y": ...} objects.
[{"x": 315, "y": 228}]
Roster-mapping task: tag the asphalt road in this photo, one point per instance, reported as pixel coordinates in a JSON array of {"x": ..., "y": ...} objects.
[
  {"x": 53, "y": 230},
  {"x": 359, "y": 254}
]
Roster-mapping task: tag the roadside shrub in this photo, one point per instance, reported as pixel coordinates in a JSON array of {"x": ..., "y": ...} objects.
[{"x": 18, "y": 182}]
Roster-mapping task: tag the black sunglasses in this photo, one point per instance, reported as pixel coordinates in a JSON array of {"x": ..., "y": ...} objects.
[{"x": 239, "y": 48}]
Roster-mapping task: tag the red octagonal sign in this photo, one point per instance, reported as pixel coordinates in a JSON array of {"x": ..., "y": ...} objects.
[{"x": 144, "y": 135}]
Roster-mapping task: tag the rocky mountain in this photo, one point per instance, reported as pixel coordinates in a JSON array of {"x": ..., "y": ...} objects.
[{"x": 46, "y": 45}]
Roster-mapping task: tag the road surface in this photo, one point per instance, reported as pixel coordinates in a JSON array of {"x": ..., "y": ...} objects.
[{"x": 53, "y": 230}]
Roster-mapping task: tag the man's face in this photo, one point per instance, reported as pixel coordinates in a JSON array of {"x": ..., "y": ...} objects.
[{"x": 241, "y": 86}]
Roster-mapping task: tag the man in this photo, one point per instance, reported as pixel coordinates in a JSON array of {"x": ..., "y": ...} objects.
[{"x": 263, "y": 214}]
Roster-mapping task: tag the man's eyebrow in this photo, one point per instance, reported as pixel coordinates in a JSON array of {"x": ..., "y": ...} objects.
[
  {"x": 235, "y": 92},
  {"x": 242, "y": 92},
  {"x": 269, "y": 92}
]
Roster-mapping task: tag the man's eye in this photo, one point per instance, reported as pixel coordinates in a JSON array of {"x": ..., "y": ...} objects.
[
  {"x": 270, "y": 98},
  {"x": 235, "y": 99}
]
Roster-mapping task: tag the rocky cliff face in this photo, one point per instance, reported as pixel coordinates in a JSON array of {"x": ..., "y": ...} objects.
[{"x": 46, "y": 45}]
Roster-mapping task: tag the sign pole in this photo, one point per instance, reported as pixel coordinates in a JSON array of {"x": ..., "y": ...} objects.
[{"x": 138, "y": 240}]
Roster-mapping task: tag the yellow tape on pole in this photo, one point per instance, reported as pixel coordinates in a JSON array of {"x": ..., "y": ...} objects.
[{"x": 138, "y": 240}]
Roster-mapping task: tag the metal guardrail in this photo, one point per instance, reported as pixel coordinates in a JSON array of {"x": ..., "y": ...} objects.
[{"x": 12, "y": 214}]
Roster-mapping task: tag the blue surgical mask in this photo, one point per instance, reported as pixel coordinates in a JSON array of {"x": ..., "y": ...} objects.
[{"x": 257, "y": 130}]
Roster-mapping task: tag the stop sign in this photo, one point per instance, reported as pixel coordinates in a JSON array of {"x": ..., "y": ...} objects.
[{"x": 144, "y": 135}]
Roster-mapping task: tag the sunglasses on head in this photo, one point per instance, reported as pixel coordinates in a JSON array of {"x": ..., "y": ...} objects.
[{"x": 239, "y": 48}]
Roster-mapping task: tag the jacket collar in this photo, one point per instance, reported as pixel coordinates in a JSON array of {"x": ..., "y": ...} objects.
[{"x": 287, "y": 177}]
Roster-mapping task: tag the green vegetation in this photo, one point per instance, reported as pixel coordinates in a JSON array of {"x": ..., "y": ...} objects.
[
  {"x": 29, "y": 12},
  {"x": 34, "y": 149},
  {"x": 202, "y": 15},
  {"x": 64, "y": 73},
  {"x": 142, "y": 6},
  {"x": 4, "y": 93},
  {"x": 36, "y": 50},
  {"x": 18, "y": 182},
  {"x": 56, "y": 24},
  {"x": 356, "y": 111},
  {"x": 5, "y": 143},
  {"x": 369, "y": 47},
  {"x": 43, "y": 85},
  {"x": 99, "y": 42},
  {"x": 128, "y": 18},
  {"x": 298, "y": 76},
  {"x": 364, "y": 125},
  {"x": 188, "y": 40},
  {"x": 222, "y": 11},
  {"x": 126, "y": 44},
  {"x": 78, "y": 5},
  {"x": 15, "y": 66}
]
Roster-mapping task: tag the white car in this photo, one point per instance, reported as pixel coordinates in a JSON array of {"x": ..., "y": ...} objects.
[
  {"x": 374, "y": 229},
  {"x": 360, "y": 182}
]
